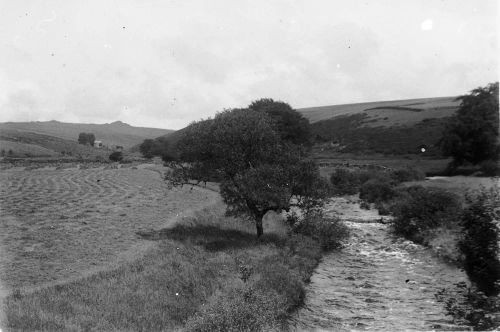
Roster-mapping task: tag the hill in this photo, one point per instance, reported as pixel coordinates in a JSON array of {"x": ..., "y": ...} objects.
[
  {"x": 397, "y": 127},
  {"x": 389, "y": 127},
  {"x": 53, "y": 138}
]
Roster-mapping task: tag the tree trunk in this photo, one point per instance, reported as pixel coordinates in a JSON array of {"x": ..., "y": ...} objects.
[{"x": 258, "y": 225}]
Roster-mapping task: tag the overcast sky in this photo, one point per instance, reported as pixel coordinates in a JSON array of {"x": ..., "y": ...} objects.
[{"x": 166, "y": 63}]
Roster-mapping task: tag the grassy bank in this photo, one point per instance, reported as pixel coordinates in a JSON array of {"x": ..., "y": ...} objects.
[{"x": 209, "y": 272}]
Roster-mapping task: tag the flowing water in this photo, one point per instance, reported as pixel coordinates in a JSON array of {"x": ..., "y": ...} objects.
[{"x": 377, "y": 282}]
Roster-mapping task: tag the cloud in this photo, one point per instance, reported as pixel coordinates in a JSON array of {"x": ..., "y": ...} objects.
[{"x": 164, "y": 64}]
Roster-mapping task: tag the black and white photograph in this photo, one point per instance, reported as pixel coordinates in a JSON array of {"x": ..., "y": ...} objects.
[{"x": 249, "y": 165}]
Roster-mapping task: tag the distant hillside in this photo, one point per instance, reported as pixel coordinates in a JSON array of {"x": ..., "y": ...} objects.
[
  {"x": 394, "y": 127},
  {"x": 116, "y": 133},
  {"x": 390, "y": 127},
  {"x": 54, "y": 138},
  {"x": 387, "y": 113}
]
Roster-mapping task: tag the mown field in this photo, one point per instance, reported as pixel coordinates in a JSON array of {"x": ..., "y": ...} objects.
[
  {"x": 60, "y": 224},
  {"x": 110, "y": 249}
]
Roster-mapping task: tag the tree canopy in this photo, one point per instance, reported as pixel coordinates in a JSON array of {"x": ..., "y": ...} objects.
[
  {"x": 86, "y": 138},
  {"x": 257, "y": 169},
  {"x": 288, "y": 123},
  {"x": 472, "y": 134}
]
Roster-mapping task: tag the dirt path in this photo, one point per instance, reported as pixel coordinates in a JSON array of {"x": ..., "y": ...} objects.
[{"x": 62, "y": 225}]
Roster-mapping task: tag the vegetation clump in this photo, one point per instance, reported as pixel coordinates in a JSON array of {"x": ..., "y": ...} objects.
[
  {"x": 418, "y": 210},
  {"x": 252, "y": 153},
  {"x": 86, "y": 139},
  {"x": 480, "y": 243},
  {"x": 472, "y": 134},
  {"x": 329, "y": 232},
  {"x": 116, "y": 156}
]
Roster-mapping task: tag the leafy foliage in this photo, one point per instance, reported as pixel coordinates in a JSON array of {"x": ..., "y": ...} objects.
[
  {"x": 155, "y": 147},
  {"x": 480, "y": 244},
  {"x": 329, "y": 232},
  {"x": 419, "y": 210},
  {"x": 472, "y": 135},
  {"x": 258, "y": 171},
  {"x": 377, "y": 190},
  {"x": 289, "y": 124},
  {"x": 116, "y": 156},
  {"x": 344, "y": 181},
  {"x": 86, "y": 138}
]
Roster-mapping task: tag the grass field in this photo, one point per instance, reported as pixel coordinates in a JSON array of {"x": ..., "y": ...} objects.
[
  {"x": 63, "y": 224},
  {"x": 93, "y": 241},
  {"x": 332, "y": 161},
  {"x": 415, "y": 109}
]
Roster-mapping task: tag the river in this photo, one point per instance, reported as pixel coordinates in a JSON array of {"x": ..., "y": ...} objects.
[{"x": 377, "y": 282}]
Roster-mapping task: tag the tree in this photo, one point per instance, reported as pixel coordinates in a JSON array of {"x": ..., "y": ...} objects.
[
  {"x": 472, "y": 134},
  {"x": 82, "y": 138},
  {"x": 288, "y": 123},
  {"x": 90, "y": 139},
  {"x": 257, "y": 170},
  {"x": 156, "y": 147},
  {"x": 86, "y": 138},
  {"x": 147, "y": 148}
]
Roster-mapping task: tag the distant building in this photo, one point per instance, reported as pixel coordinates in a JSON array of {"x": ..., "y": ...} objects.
[{"x": 98, "y": 144}]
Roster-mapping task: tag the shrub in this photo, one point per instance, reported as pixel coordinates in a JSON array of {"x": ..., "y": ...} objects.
[
  {"x": 490, "y": 168},
  {"x": 407, "y": 174},
  {"x": 377, "y": 190},
  {"x": 329, "y": 232},
  {"x": 468, "y": 306},
  {"x": 348, "y": 182},
  {"x": 480, "y": 243},
  {"x": 116, "y": 156},
  {"x": 242, "y": 308},
  {"x": 418, "y": 210},
  {"x": 344, "y": 182},
  {"x": 272, "y": 276}
]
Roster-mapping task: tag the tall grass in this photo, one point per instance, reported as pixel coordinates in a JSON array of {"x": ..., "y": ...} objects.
[{"x": 207, "y": 273}]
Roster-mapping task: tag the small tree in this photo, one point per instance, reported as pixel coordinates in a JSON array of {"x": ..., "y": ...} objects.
[
  {"x": 82, "y": 138},
  {"x": 472, "y": 134},
  {"x": 2, "y": 153},
  {"x": 288, "y": 123},
  {"x": 147, "y": 148},
  {"x": 90, "y": 139},
  {"x": 86, "y": 138},
  {"x": 257, "y": 170}
]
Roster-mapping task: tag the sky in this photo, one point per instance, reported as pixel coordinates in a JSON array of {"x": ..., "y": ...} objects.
[{"x": 167, "y": 63}]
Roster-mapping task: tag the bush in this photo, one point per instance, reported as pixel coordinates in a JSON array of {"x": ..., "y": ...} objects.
[
  {"x": 407, "y": 174},
  {"x": 116, "y": 156},
  {"x": 344, "y": 181},
  {"x": 480, "y": 243},
  {"x": 329, "y": 232},
  {"x": 469, "y": 306},
  {"x": 242, "y": 308},
  {"x": 377, "y": 190},
  {"x": 418, "y": 210},
  {"x": 490, "y": 168},
  {"x": 348, "y": 182}
]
